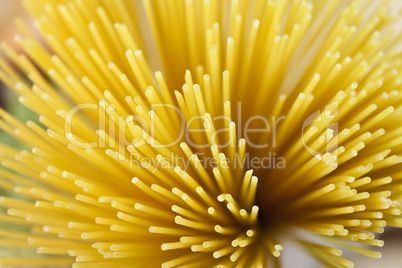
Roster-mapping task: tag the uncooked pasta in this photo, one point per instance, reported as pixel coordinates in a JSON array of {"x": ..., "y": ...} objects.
[{"x": 201, "y": 133}]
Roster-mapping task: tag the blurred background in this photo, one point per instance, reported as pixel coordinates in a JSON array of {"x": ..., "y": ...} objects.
[
  {"x": 293, "y": 257},
  {"x": 10, "y": 9}
]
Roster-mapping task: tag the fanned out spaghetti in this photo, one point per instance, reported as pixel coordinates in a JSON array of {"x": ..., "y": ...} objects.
[{"x": 156, "y": 118}]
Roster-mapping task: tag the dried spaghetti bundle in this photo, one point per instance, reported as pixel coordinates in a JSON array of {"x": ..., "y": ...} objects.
[{"x": 285, "y": 126}]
